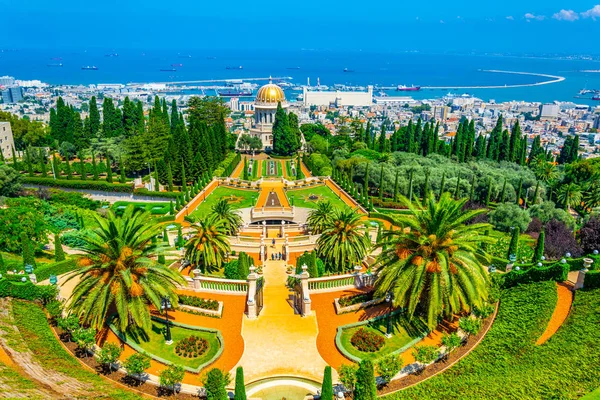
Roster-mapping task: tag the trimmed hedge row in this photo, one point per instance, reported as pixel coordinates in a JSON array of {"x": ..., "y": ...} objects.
[
  {"x": 27, "y": 290},
  {"x": 592, "y": 280},
  {"x": 557, "y": 272},
  {"x": 151, "y": 193},
  {"x": 62, "y": 267},
  {"x": 79, "y": 184}
]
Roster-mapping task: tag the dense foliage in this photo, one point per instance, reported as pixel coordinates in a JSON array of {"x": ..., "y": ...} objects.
[
  {"x": 191, "y": 347},
  {"x": 367, "y": 341}
]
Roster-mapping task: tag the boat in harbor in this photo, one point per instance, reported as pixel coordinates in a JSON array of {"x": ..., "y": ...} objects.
[
  {"x": 90, "y": 68},
  {"x": 234, "y": 93},
  {"x": 596, "y": 97},
  {"x": 402, "y": 88},
  {"x": 168, "y": 70},
  {"x": 292, "y": 67},
  {"x": 54, "y": 65},
  {"x": 238, "y": 67},
  {"x": 176, "y": 65},
  {"x": 348, "y": 70}
]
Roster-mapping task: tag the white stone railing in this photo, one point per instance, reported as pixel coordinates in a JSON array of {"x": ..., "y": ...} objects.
[
  {"x": 272, "y": 212},
  {"x": 200, "y": 283},
  {"x": 331, "y": 283}
]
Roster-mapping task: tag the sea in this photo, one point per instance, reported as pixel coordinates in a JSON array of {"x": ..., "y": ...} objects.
[{"x": 327, "y": 67}]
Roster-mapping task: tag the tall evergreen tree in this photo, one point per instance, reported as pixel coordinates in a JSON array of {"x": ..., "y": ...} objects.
[
  {"x": 240, "y": 388},
  {"x": 381, "y": 184},
  {"x": 282, "y": 137},
  {"x": 515, "y": 142},
  {"x": 327, "y": 386},
  {"x": 396, "y": 185},
  {"x": 365, "y": 387},
  {"x": 366, "y": 182},
  {"x": 108, "y": 169},
  {"x": 59, "y": 254},
  {"x": 94, "y": 123}
]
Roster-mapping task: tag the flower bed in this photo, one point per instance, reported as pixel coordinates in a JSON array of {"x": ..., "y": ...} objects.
[
  {"x": 191, "y": 347},
  {"x": 356, "y": 302},
  {"x": 367, "y": 341},
  {"x": 199, "y": 302},
  {"x": 355, "y": 299}
]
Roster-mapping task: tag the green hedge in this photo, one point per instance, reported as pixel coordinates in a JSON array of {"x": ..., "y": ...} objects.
[
  {"x": 151, "y": 193},
  {"x": 592, "y": 280},
  {"x": 62, "y": 267},
  {"x": 79, "y": 184},
  {"x": 557, "y": 272},
  {"x": 27, "y": 290}
]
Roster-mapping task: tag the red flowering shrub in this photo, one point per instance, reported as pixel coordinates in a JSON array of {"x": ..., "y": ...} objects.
[
  {"x": 367, "y": 341},
  {"x": 191, "y": 347}
]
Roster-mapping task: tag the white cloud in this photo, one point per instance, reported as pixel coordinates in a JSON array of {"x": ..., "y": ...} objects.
[
  {"x": 592, "y": 13},
  {"x": 566, "y": 15},
  {"x": 510, "y": 18},
  {"x": 530, "y": 16}
]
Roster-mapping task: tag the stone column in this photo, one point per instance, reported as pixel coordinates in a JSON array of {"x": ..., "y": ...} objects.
[
  {"x": 264, "y": 226},
  {"x": 587, "y": 263},
  {"x": 358, "y": 282},
  {"x": 306, "y": 311},
  {"x": 282, "y": 228},
  {"x": 251, "y": 303}
]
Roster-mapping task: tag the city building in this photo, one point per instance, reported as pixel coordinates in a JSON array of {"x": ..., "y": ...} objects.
[
  {"x": 7, "y": 80},
  {"x": 338, "y": 98},
  {"x": 6, "y": 140},
  {"x": 550, "y": 111},
  {"x": 13, "y": 94},
  {"x": 265, "y": 107}
]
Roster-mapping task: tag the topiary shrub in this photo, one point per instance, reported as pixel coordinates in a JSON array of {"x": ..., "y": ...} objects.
[{"x": 367, "y": 341}]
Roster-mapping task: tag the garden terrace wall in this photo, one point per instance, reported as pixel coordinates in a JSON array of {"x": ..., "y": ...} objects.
[
  {"x": 80, "y": 184},
  {"x": 355, "y": 307},
  {"x": 173, "y": 323}
]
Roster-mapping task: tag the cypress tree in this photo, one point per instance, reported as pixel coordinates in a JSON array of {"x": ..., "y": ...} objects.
[
  {"x": 156, "y": 181},
  {"x": 169, "y": 178},
  {"x": 183, "y": 179},
  {"x": 122, "y": 177},
  {"x": 515, "y": 141},
  {"x": 83, "y": 172},
  {"x": 27, "y": 249},
  {"x": 42, "y": 157},
  {"x": 513, "y": 248},
  {"x": 456, "y": 190},
  {"x": 177, "y": 203},
  {"x": 366, "y": 183},
  {"x": 381, "y": 141},
  {"x": 171, "y": 208},
  {"x": 503, "y": 192},
  {"x": 327, "y": 387},
  {"x": 426, "y": 185},
  {"x": 536, "y": 192},
  {"x": 240, "y": 388},
  {"x": 472, "y": 192},
  {"x": 365, "y": 387},
  {"x": 109, "y": 178},
  {"x": 28, "y": 162},
  {"x": 245, "y": 173},
  {"x": 488, "y": 195},
  {"x": 410, "y": 185},
  {"x": 59, "y": 254},
  {"x": 539, "y": 247},
  {"x": 396, "y": 186},
  {"x": 2, "y": 266},
  {"x": 443, "y": 184},
  {"x": 94, "y": 167},
  {"x": 68, "y": 168},
  {"x": 381, "y": 184},
  {"x": 14, "y": 157},
  {"x": 166, "y": 234},
  {"x": 519, "y": 191}
]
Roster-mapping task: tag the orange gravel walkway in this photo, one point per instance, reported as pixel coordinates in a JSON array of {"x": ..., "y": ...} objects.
[
  {"x": 560, "y": 314},
  {"x": 239, "y": 169},
  {"x": 230, "y": 326},
  {"x": 266, "y": 188},
  {"x": 329, "y": 321},
  {"x": 347, "y": 199},
  {"x": 284, "y": 170},
  {"x": 305, "y": 170},
  {"x": 196, "y": 202}
]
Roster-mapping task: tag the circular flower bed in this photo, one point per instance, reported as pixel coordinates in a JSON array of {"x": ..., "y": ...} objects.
[
  {"x": 367, "y": 341},
  {"x": 191, "y": 347}
]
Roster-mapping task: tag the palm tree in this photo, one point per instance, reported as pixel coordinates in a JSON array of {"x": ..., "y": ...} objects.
[
  {"x": 120, "y": 274},
  {"x": 232, "y": 220},
  {"x": 320, "y": 217},
  {"x": 208, "y": 246},
  {"x": 545, "y": 171},
  {"x": 570, "y": 196},
  {"x": 433, "y": 265},
  {"x": 342, "y": 243},
  {"x": 591, "y": 196}
]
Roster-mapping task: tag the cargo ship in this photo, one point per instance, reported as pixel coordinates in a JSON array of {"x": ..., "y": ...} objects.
[
  {"x": 402, "y": 88},
  {"x": 234, "y": 93},
  {"x": 176, "y": 65},
  {"x": 596, "y": 97},
  {"x": 54, "y": 65},
  {"x": 168, "y": 70},
  {"x": 239, "y": 67},
  {"x": 90, "y": 68}
]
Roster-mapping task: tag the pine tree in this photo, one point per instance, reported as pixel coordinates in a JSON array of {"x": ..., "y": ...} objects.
[
  {"x": 240, "y": 388},
  {"x": 183, "y": 179},
  {"x": 381, "y": 141},
  {"x": 515, "y": 141},
  {"x": 283, "y": 142},
  {"x": 536, "y": 192},
  {"x": 94, "y": 123},
  {"x": 82, "y": 168},
  {"x": 327, "y": 387},
  {"x": 42, "y": 157},
  {"x": 539, "y": 247},
  {"x": 109, "y": 178},
  {"x": 28, "y": 162},
  {"x": 59, "y": 254},
  {"x": 365, "y": 387}
]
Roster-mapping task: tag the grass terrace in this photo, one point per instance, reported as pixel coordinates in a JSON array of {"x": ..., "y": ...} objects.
[
  {"x": 302, "y": 197},
  {"x": 236, "y": 197},
  {"x": 278, "y": 172},
  {"x": 153, "y": 208}
]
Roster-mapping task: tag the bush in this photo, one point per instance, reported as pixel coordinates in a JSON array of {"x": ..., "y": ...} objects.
[
  {"x": 58, "y": 268},
  {"x": 425, "y": 354},
  {"x": 365, "y": 388},
  {"x": 109, "y": 354},
  {"x": 559, "y": 241},
  {"x": 73, "y": 199},
  {"x": 347, "y": 374},
  {"x": 557, "y": 272},
  {"x": 77, "y": 184},
  {"x": 137, "y": 363},
  {"x": 151, "y": 193},
  {"x": 589, "y": 235},
  {"x": 389, "y": 366},
  {"x": 214, "y": 383},
  {"x": 54, "y": 309},
  {"x": 470, "y": 325},
  {"x": 27, "y": 291},
  {"x": 231, "y": 270},
  {"x": 355, "y": 299},
  {"x": 199, "y": 302},
  {"x": 592, "y": 280},
  {"x": 484, "y": 311},
  {"x": 367, "y": 341},
  {"x": 507, "y": 215},
  {"x": 451, "y": 341}
]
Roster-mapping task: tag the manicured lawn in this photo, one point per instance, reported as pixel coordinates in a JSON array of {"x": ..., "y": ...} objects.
[
  {"x": 237, "y": 198},
  {"x": 153, "y": 208},
  {"x": 288, "y": 170},
  {"x": 301, "y": 197},
  {"x": 254, "y": 176},
  {"x": 508, "y": 364},
  {"x": 400, "y": 338},
  {"x": 35, "y": 333},
  {"x": 155, "y": 344}
]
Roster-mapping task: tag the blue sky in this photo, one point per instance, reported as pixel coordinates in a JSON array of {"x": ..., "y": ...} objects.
[{"x": 436, "y": 25}]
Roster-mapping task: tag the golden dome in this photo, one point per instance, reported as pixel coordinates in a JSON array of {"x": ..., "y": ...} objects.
[{"x": 270, "y": 94}]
